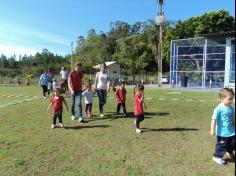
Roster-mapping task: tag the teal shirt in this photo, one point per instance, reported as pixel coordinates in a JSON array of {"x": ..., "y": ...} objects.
[{"x": 224, "y": 116}]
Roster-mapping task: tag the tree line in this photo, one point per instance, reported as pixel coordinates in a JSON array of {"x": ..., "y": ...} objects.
[{"x": 133, "y": 46}]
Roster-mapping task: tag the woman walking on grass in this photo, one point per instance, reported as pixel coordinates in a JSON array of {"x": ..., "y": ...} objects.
[{"x": 102, "y": 86}]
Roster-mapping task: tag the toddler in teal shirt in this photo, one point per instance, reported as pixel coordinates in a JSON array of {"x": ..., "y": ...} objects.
[{"x": 223, "y": 126}]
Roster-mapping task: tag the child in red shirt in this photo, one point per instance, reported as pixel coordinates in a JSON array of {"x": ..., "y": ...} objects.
[
  {"x": 121, "y": 98},
  {"x": 56, "y": 102},
  {"x": 139, "y": 107}
]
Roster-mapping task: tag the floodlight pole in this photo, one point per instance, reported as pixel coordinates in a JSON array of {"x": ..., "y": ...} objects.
[
  {"x": 160, "y": 22},
  {"x": 71, "y": 59}
]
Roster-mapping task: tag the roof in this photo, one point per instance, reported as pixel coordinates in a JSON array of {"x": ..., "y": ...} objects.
[{"x": 107, "y": 63}]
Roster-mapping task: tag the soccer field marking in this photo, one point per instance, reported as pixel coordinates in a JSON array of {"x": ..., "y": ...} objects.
[
  {"x": 2, "y": 106},
  {"x": 174, "y": 92},
  {"x": 28, "y": 98},
  {"x": 162, "y": 99},
  {"x": 148, "y": 98},
  {"x": 189, "y": 99}
]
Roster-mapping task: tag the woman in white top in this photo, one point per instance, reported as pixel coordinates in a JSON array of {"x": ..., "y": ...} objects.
[
  {"x": 102, "y": 86},
  {"x": 64, "y": 77}
]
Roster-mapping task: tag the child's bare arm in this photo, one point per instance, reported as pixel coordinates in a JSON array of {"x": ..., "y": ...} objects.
[
  {"x": 96, "y": 82},
  {"x": 141, "y": 99},
  {"x": 213, "y": 127},
  {"x": 49, "y": 107}
]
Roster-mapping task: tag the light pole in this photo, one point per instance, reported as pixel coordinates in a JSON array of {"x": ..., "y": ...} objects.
[
  {"x": 71, "y": 59},
  {"x": 160, "y": 20}
]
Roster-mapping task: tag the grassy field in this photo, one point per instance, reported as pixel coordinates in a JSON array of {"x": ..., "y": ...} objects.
[{"x": 175, "y": 142}]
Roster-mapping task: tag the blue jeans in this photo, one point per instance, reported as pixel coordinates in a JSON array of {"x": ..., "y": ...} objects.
[
  {"x": 224, "y": 144},
  {"x": 73, "y": 97},
  {"x": 102, "y": 96}
]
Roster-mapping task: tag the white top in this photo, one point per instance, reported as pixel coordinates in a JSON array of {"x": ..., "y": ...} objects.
[
  {"x": 88, "y": 96},
  {"x": 54, "y": 84},
  {"x": 103, "y": 80},
  {"x": 64, "y": 74}
]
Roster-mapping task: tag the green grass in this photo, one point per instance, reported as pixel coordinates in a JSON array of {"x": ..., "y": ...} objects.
[{"x": 176, "y": 140}]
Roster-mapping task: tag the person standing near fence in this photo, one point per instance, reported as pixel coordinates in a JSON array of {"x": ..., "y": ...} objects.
[
  {"x": 102, "y": 86},
  {"x": 75, "y": 86},
  {"x": 64, "y": 77},
  {"x": 43, "y": 82}
]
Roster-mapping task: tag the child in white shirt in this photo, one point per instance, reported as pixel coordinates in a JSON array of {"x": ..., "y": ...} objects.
[{"x": 88, "y": 93}]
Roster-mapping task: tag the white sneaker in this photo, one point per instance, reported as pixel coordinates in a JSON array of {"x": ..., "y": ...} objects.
[
  {"x": 53, "y": 126},
  {"x": 61, "y": 125},
  {"x": 72, "y": 117},
  {"x": 218, "y": 160},
  {"x": 102, "y": 115},
  {"x": 138, "y": 130}
]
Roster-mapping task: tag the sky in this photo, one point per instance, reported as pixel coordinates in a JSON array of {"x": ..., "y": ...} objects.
[{"x": 29, "y": 26}]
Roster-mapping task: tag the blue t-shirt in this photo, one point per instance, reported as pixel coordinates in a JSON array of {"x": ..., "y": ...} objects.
[
  {"x": 224, "y": 116},
  {"x": 44, "y": 78}
]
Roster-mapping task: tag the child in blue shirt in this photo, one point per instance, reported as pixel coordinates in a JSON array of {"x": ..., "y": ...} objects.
[{"x": 223, "y": 126}]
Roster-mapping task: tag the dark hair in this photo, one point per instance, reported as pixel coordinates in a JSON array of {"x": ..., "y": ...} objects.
[
  {"x": 121, "y": 83},
  {"x": 57, "y": 89},
  {"x": 77, "y": 64},
  {"x": 139, "y": 87},
  {"x": 103, "y": 64},
  {"x": 63, "y": 68},
  {"x": 88, "y": 84},
  {"x": 225, "y": 92}
]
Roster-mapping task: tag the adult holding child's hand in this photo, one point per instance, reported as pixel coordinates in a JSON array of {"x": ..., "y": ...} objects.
[
  {"x": 102, "y": 85},
  {"x": 75, "y": 86}
]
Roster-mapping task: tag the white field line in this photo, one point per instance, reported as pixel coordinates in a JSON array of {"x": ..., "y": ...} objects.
[
  {"x": 148, "y": 98},
  {"x": 29, "y": 98},
  {"x": 174, "y": 92},
  {"x": 189, "y": 100}
]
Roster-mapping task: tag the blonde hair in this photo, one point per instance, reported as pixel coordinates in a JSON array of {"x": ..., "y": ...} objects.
[
  {"x": 226, "y": 92},
  {"x": 57, "y": 89}
]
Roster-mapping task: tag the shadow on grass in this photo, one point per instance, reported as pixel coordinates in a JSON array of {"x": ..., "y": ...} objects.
[
  {"x": 230, "y": 160},
  {"x": 82, "y": 127},
  {"x": 169, "y": 129},
  {"x": 113, "y": 116}
]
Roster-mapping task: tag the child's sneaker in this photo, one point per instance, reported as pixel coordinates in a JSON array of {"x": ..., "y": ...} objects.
[
  {"x": 219, "y": 160},
  {"x": 72, "y": 117},
  {"x": 125, "y": 114},
  {"x": 61, "y": 125},
  {"x": 81, "y": 119},
  {"x": 230, "y": 155},
  {"x": 89, "y": 115},
  {"x": 138, "y": 130},
  {"x": 102, "y": 115},
  {"x": 53, "y": 126}
]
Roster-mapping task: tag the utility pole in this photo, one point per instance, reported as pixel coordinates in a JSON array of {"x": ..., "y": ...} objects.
[
  {"x": 71, "y": 59},
  {"x": 160, "y": 21}
]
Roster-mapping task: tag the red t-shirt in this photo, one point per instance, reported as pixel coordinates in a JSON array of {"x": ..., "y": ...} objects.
[
  {"x": 76, "y": 80},
  {"x": 57, "y": 104},
  {"x": 121, "y": 95},
  {"x": 138, "y": 106}
]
